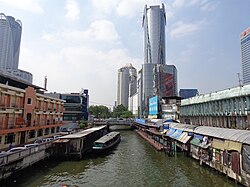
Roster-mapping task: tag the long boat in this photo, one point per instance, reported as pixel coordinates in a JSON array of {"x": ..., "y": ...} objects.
[
  {"x": 78, "y": 144},
  {"x": 107, "y": 142}
]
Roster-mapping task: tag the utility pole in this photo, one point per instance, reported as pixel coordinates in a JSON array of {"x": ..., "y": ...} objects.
[{"x": 240, "y": 83}]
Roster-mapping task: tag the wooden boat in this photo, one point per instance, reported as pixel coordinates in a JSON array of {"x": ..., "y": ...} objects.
[{"x": 107, "y": 142}]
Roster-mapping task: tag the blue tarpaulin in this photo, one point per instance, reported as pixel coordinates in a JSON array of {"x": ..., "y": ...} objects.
[
  {"x": 141, "y": 121},
  {"x": 171, "y": 131},
  {"x": 165, "y": 126},
  {"x": 177, "y": 134},
  {"x": 197, "y": 136}
]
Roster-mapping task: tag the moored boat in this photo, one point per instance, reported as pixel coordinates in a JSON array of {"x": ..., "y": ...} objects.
[{"x": 107, "y": 142}]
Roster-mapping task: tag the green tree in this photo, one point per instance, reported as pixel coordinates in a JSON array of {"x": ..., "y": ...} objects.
[
  {"x": 99, "y": 111},
  {"x": 118, "y": 111},
  {"x": 127, "y": 114}
]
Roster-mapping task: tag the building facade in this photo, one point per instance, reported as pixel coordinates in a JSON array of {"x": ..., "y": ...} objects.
[
  {"x": 27, "y": 114},
  {"x": 126, "y": 84},
  {"x": 10, "y": 39},
  {"x": 226, "y": 109},
  {"x": 75, "y": 107},
  {"x": 245, "y": 55}
]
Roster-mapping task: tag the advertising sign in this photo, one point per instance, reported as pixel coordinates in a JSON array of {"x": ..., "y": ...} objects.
[{"x": 153, "y": 105}]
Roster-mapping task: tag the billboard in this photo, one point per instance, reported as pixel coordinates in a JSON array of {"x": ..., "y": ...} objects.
[{"x": 153, "y": 105}]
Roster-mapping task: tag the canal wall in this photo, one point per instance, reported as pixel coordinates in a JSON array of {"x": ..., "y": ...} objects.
[{"x": 13, "y": 162}]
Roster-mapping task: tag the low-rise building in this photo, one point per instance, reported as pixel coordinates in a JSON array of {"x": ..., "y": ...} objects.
[
  {"x": 228, "y": 108},
  {"x": 26, "y": 113}
]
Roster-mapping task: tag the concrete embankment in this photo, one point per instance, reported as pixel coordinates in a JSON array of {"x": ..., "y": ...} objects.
[{"x": 13, "y": 162}]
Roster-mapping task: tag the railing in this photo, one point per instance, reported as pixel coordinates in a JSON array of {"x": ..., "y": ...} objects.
[{"x": 11, "y": 157}]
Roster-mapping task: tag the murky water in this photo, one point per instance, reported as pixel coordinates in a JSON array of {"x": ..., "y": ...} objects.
[{"x": 133, "y": 163}]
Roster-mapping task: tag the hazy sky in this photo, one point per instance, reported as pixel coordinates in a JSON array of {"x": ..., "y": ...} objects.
[{"x": 82, "y": 43}]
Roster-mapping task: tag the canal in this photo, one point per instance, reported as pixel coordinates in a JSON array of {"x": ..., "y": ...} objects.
[{"x": 133, "y": 163}]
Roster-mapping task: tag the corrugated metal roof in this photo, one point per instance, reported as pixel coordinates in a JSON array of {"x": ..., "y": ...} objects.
[
  {"x": 242, "y": 136},
  {"x": 82, "y": 133},
  {"x": 181, "y": 126}
]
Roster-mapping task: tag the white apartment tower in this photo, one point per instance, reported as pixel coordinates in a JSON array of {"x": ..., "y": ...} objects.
[{"x": 126, "y": 84}]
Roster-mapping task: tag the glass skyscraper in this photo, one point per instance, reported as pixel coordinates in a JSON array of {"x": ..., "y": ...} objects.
[
  {"x": 154, "y": 21},
  {"x": 245, "y": 55},
  {"x": 10, "y": 39}
]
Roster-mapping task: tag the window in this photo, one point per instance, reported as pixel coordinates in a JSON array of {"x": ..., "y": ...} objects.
[
  {"x": 46, "y": 131},
  {"x": 10, "y": 138},
  {"x": 39, "y": 132},
  {"x": 29, "y": 101},
  {"x": 0, "y": 140},
  {"x": 32, "y": 134}
]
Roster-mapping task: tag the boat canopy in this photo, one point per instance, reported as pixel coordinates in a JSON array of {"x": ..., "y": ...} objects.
[{"x": 107, "y": 137}]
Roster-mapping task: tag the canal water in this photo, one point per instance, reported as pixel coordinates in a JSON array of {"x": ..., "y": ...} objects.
[{"x": 133, "y": 163}]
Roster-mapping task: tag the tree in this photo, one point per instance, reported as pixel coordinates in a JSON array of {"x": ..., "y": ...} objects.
[
  {"x": 118, "y": 111},
  {"x": 127, "y": 114},
  {"x": 99, "y": 111}
]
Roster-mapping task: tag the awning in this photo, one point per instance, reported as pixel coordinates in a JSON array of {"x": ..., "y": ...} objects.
[
  {"x": 218, "y": 144},
  {"x": 195, "y": 141},
  {"x": 177, "y": 134},
  {"x": 230, "y": 145},
  {"x": 171, "y": 131},
  {"x": 184, "y": 137}
]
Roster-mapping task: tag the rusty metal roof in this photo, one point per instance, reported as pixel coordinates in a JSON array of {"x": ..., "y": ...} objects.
[{"x": 236, "y": 135}]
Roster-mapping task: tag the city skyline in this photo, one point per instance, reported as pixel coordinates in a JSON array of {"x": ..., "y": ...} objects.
[{"x": 77, "y": 47}]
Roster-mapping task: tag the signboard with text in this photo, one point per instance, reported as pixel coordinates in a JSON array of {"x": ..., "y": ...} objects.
[{"x": 153, "y": 105}]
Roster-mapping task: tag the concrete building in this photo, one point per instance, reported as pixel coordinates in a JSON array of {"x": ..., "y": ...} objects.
[
  {"x": 26, "y": 113},
  {"x": 75, "y": 107},
  {"x": 126, "y": 84},
  {"x": 245, "y": 55},
  {"x": 228, "y": 108},
  {"x": 170, "y": 108},
  {"x": 10, "y": 39}
]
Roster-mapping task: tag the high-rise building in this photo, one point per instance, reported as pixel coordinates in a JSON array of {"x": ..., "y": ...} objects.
[
  {"x": 10, "y": 39},
  {"x": 154, "y": 21},
  {"x": 245, "y": 55},
  {"x": 126, "y": 84}
]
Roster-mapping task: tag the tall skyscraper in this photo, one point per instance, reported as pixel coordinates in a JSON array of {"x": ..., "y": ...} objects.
[
  {"x": 154, "y": 21},
  {"x": 127, "y": 84},
  {"x": 10, "y": 39},
  {"x": 245, "y": 55}
]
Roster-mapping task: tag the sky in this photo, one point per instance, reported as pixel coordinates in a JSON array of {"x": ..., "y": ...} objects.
[{"x": 82, "y": 44}]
